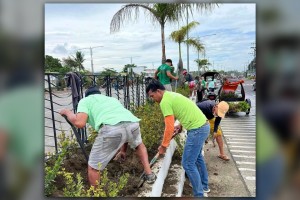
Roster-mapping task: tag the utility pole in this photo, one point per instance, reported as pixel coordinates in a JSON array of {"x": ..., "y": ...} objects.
[
  {"x": 91, "y": 53},
  {"x": 131, "y": 58}
]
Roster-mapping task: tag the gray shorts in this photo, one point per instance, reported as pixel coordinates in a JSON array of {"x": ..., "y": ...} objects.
[
  {"x": 168, "y": 87},
  {"x": 110, "y": 139}
]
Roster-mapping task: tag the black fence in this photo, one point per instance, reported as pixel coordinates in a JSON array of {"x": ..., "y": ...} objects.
[{"x": 130, "y": 91}]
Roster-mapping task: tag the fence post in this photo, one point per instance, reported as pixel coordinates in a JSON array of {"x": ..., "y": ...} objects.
[
  {"x": 52, "y": 112},
  {"x": 143, "y": 90},
  {"x": 137, "y": 92},
  {"x": 132, "y": 92},
  {"x": 128, "y": 96}
]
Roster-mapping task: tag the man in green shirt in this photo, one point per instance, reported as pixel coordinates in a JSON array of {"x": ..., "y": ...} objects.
[
  {"x": 116, "y": 126},
  {"x": 174, "y": 105},
  {"x": 165, "y": 74}
]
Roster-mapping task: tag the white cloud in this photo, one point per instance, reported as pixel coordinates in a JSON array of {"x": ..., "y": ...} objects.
[{"x": 72, "y": 26}]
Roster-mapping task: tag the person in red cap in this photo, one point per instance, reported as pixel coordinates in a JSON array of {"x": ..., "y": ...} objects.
[{"x": 190, "y": 81}]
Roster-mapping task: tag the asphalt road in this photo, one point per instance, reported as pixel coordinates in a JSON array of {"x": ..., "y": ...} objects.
[{"x": 239, "y": 132}]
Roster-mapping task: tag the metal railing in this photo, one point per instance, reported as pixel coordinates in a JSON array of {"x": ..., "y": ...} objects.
[{"x": 130, "y": 91}]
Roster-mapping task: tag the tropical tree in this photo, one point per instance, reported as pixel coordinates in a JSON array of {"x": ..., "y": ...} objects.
[
  {"x": 202, "y": 65},
  {"x": 158, "y": 13},
  {"x": 75, "y": 62},
  {"x": 79, "y": 59},
  {"x": 125, "y": 69},
  {"x": 179, "y": 36}
]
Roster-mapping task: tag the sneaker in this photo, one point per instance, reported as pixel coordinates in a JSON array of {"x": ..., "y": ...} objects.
[
  {"x": 150, "y": 178},
  {"x": 206, "y": 190}
]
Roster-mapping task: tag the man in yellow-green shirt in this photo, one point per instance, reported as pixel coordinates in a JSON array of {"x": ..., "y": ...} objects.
[{"x": 174, "y": 105}]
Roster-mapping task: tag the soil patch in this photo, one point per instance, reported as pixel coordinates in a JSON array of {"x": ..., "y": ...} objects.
[{"x": 75, "y": 162}]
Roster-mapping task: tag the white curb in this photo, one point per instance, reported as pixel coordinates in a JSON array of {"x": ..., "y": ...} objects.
[{"x": 163, "y": 171}]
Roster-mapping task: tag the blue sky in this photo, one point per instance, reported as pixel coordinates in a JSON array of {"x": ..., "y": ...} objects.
[{"x": 73, "y": 26}]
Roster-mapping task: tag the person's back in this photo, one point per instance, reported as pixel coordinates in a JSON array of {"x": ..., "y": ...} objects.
[
  {"x": 104, "y": 110},
  {"x": 185, "y": 110},
  {"x": 211, "y": 84},
  {"x": 163, "y": 77}
]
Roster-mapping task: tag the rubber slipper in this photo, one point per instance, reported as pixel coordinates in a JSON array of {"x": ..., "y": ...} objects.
[{"x": 223, "y": 157}]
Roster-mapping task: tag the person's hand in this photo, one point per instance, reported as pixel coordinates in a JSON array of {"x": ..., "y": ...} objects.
[
  {"x": 215, "y": 135},
  {"x": 178, "y": 129},
  {"x": 63, "y": 112},
  {"x": 161, "y": 150},
  {"x": 120, "y": 156},
  {"x": 176, "y": 78}
]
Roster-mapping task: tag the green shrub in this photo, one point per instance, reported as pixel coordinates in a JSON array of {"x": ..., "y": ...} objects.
[
  {"x": 106, "y": 188},
  {"x": 242, "y": 106},
  {"x": 151, "y": 124},
  {"x": 52, "y": 171},
  {"x": 184, "y": 90},
  {"x": 230, "y": 95}
]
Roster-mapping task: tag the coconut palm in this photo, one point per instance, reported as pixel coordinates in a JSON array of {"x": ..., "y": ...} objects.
[
  {"x": 179, "y": 36},
  {"x": 79, "y": 59},
  {"x": 202, "y": 65},
  {"x": 160, "y": 13},
  {"x": 75, "y": 62}
]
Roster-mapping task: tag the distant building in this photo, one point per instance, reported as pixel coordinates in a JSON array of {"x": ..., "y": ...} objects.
[{"x": 149, "y": 72}]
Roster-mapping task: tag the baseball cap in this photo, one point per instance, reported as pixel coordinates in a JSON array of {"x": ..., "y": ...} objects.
[
  {"x": 223, "y": 107},
  {"x": 92, "y": 90},
  {"x": 184, "y": 71}
]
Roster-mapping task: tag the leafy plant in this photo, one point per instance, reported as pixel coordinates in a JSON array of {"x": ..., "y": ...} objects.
[
  {"x": 52, "y": 171},
  {"x": 230, "y": 95},
  {"x": 242, "y": 106},
  {"x": 106, "y": 188},
  {"x": 184, "y": 90},
  {"x": 151, "y": 124}
]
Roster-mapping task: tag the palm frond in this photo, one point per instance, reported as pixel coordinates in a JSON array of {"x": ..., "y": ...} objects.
[
  {"x": 129, "y": 12},
  {"x": 195, "y": 43}
]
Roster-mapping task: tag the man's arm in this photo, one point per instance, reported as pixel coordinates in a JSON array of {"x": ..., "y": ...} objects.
[
  {"x": 79, "y": 119},
  {"x": 168, "y": 133},
  {"x": 217, "y": 123},
  {"x": 171, "y": 76}
]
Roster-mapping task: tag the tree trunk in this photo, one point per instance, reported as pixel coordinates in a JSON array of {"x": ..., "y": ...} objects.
[
  {"x": 180, "y": 68},
  {"x": 163, "y": 46}
]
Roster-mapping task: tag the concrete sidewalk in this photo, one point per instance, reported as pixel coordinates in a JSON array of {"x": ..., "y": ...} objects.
[{"x": 224, "y": 177}]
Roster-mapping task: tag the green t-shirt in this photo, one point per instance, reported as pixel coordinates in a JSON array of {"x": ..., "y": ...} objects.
[
  {"x": 185, "y": 110},
  {"x": 163, "y": 77},
  {"x": 104, "y": 110}
]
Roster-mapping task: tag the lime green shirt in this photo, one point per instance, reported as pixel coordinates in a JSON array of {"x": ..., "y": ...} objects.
[
  {"x": 104, "y": 110},
  {"x": 163, "y": 77},
  {"x": 185, "y": 110},
  {"x": 267, "y": 141}
]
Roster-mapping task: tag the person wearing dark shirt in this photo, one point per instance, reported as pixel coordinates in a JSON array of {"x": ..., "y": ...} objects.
[{"x": 214, "y": 113}]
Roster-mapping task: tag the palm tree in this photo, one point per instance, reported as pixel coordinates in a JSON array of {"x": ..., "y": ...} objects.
[
  {"x": 79, "y": 59},
  {"x": 202, "y": 65},
  {"x": 179, "y": 37},
  {"x": 75, "y": 62},
  {"x": 160, "y": 13}
]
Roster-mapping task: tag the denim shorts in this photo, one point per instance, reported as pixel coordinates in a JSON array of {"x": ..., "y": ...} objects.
[{"x": 110, "y": 139}]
